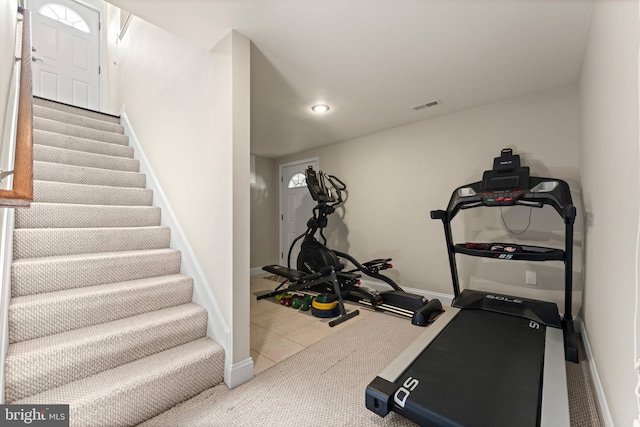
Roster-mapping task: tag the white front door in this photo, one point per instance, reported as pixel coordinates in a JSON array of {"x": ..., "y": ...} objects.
[
  {"x": 66, "y": 52},
  {"x": 296, "y": 206}
]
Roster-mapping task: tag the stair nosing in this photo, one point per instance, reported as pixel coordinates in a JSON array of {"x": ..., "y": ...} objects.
[
  {"x": 207, "y": 345},
  {"x": 95, "y": 255},
  {"x": 97, "y": 156},
  {"x": 85, "y": 167},
  {"x": 63, "y": 339},
  {"x": 127, "y": 339},
  {"x": 25, "y": 300},
  {"x": 33, "y": 242},
  {"x": 88, "y": 110},
  {"x": 121, "y": 137},
  {"x": 38, "y": 114},
  {"x": 115, "y": 187},
  {"x": 71, "y": 309},
  {"x": 72, "y": 169},
  {"x": 85, "y": 141},
  {"x": 97, "y": 289}
]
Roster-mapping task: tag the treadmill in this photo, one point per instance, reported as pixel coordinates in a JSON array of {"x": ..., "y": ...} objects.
[{"x": 491, "y": 359}]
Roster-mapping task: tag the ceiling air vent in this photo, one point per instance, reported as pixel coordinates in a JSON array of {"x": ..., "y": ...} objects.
[{"x": 427, "y": 105}]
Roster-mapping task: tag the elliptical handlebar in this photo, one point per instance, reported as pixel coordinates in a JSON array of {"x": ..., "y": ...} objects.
[
  {"x": 338, "y": 189},
  {"x": 324, "y": 188}
]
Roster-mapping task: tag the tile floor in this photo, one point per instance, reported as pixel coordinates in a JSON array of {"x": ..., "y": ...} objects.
[{"x": 278, "y": 332}]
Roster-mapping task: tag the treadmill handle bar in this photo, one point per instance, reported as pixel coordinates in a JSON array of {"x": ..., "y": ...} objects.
[{"x": 446, "y": 221}]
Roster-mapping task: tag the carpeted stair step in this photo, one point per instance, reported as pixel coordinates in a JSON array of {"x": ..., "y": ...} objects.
[
  {"x": 59, "y": 140},
  {"x": 44, "y": 153},
  {"x": 79, "y": 131},
  {"x": 52, "y": 361},
  {"x": 76, "y": 110},
  {"x": 39, "y": 315},
  {"x": 62, "y": 192},
  {"x": 135, "y": 392},
  {"x": 60, "y": 215},
  {"x": 44, "y": 242},
  {"x": 75, "y": 119},
  {"x": 49, "y": 274},
  {"x": 45, "y": 171}
]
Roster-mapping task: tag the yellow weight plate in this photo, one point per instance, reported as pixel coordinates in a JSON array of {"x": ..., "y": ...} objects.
[{"x": 324, "y": 305}]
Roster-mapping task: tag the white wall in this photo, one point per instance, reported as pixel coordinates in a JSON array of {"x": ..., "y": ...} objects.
[
  {"x": 190, "y": 110},
  {"x": 178, "y": 97},
  {"x": 241, "y": 139},
  {"x": 609, "y": 171},
  {"x": 396, "y": 177},
  {"x": 264, "y": 213}
]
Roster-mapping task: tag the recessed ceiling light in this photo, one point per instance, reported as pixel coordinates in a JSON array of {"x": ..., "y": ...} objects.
[{"x": 320, "y": 108}]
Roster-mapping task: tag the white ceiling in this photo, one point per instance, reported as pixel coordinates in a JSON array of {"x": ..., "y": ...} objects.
[{"x": 371, "y": 60}]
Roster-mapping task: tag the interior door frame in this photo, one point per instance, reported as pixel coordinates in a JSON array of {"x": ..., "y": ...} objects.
[
  {"x": 282, "y": 250},
  {"x": 101, "y": 8}
]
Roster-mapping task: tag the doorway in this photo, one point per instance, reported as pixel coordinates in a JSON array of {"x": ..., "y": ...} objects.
[
  {"x": 296, "y": 205},
  {"x": 66, "y": 52}
]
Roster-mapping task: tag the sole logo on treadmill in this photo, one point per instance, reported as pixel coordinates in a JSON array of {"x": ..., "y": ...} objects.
[
  {"x": 401, "y": 395},
  {"x": 505, "y": 299},
  {"x": 534, "y": 325}
]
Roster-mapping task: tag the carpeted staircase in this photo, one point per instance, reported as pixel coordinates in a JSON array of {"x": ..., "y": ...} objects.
[{"x": 100, "y": 317}]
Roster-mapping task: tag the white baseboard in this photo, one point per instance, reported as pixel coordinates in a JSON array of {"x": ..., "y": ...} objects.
[
  {"x": 602, "y": 401},
  {"x": 238, "y": 373},
  {"x": 217, "y": 328},
  {"x": 379, "y": 286}
]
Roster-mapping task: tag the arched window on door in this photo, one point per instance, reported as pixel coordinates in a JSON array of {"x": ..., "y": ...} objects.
[
  {"x": 64, "y": 15},
  {"x": 297, "y": 180}
]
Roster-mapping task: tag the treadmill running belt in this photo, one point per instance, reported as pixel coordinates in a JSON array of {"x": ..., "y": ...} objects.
[{"x": 484, "y": 369}]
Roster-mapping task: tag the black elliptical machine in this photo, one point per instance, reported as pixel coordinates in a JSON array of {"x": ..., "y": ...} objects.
[{"x": 315, "y": 256}]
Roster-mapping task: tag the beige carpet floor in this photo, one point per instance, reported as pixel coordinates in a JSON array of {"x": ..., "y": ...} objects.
[{"x": 324, "y": 385}]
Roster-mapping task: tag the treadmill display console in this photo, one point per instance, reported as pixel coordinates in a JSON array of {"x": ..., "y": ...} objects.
[{"x": 492, "y": 198}]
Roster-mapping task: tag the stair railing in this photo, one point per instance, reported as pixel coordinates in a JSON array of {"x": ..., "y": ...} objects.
[{"x": 21, "y": 192}]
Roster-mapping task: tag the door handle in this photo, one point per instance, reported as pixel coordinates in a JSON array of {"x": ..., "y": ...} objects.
[{"x": 34, "y": 59}]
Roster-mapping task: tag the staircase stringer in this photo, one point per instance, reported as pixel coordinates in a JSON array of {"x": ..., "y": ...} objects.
[
  {"x": 7, "y": 225},
  {"x": 217, "y": 328}
]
